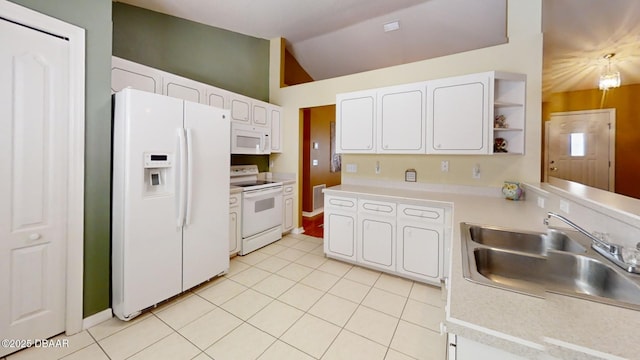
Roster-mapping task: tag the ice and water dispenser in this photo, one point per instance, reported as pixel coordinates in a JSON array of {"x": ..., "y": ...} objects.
[{"x": 157, "y": 167}]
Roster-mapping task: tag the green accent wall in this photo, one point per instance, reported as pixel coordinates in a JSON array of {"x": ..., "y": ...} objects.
[
  {"x": 214, "y": 56},
  {"x": 95, "y": 17}
]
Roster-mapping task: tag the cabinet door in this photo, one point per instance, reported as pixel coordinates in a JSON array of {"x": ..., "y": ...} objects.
[
  {"x": 126, "y": 73},
  {"x": 340, "y": 228},
  {"x": 260, "y": 113},
  {"x": 376, "y": 242},
  {"x": 287, "y": 220},
  {"x": 183, "y": 88},
  {"x": 276, "y": 129},
  {"x": 240, "y": 108},
  {"x": 458, "y": 115},
  {"x": 419, "y": 249},
  {"x": 217, "y": 97},
  {"x": 402, "y": 119},
  {"x": 355, "y": 122}
]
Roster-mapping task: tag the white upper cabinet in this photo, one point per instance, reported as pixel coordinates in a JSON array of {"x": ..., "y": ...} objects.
[
  {"x": 275, "y": 113},
  {"x": 481, "y": 113},
  {"x": 458, "y": 115},
  {"x": 249, "y": 111},
  {"x": 401, "y": 119},
  {"x": 217, "y": 97},
  {"x": 356, "y": 122},
  {"x": 183, "y": 88},
  {"x": 468, "y": 114},
  {"x": 240, "y": 107},
  {"x": 125, "y": 73},
  {"x": 260, "y": 113}
]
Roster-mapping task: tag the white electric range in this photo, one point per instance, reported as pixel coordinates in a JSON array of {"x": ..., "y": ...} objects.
[{"x": 261, "y": 208}]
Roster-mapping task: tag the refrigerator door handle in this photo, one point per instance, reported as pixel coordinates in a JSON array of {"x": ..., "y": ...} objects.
[
  {"x": 182, "y": 188},
  {"x": 189, "y": 176}
]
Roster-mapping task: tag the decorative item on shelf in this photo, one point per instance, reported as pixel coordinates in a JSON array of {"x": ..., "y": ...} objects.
[
  {"x": 512, "y": 190},
  {"x": 500, "y": 145},
  {"x": 500, "y": 122},
  {"x": 410, "y": 175}
]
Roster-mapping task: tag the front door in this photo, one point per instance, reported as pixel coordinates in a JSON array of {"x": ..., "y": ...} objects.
[
  {"x": 34, "y": 119},
  {"x": 580, "y": 149}
]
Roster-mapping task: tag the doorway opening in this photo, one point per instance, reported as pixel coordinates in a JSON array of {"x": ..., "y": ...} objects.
[{"x": 321, "y": 166}]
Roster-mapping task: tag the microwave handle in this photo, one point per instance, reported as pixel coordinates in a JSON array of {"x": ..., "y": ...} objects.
[{"x": 266, "y": 146}]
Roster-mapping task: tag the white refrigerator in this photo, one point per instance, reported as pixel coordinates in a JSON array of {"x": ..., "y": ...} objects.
[{"x": 170, "y": 199}]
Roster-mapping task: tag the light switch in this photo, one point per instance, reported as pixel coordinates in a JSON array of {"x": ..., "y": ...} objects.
[
  {"x": 314, "y": 162},
  {"x": 315, "y": 145}
]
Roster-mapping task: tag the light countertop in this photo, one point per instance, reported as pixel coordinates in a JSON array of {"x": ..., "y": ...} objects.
[{"x": 521, "y": 324}]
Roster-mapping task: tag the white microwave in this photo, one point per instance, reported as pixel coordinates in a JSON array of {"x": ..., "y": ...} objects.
[{"x": 251, "y": 140}]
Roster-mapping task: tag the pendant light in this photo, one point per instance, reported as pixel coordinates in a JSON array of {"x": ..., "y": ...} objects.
[{"x": 609, "y": 79}]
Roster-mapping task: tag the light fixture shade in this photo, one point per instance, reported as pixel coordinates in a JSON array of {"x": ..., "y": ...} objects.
[{"x": 609, "y": 80}]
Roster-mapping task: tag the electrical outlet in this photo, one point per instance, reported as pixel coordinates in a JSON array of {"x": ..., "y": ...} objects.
[
  {"x": 475, "y": 171},
  {"x": 444, "y": 166},
  {"x": 352, "y": 168},
  {"x": 540, "y": 202},
  {"x": 377, "y": 167},
  {"x": 564, "y": 206}
]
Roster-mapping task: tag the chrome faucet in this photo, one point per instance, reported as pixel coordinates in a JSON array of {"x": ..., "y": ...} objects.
[{"x": 611, "y": 248}]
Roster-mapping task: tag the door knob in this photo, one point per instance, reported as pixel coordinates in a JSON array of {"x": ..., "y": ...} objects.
[{"x": 553, "y": 168}]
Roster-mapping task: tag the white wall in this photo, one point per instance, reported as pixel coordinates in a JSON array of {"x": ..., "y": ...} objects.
[{"x": 522, "y": 54}]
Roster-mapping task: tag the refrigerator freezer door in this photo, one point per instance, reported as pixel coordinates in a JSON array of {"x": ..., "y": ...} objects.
[
  {"x": 147, "y": 244},
  {"x": 206, "y": 232}
]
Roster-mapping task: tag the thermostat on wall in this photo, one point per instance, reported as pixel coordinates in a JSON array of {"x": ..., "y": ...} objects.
[{"x": 410, "y": 175}]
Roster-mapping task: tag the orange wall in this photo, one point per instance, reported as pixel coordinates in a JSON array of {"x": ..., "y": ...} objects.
[
  {"x": 626, "y": 101},
  {"x": 317, "y": 128}
]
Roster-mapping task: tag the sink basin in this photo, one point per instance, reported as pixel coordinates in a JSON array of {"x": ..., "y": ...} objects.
[
  {"x": 513, "y": 271},
  {"x": 534, "y": 263},
  {"x": 585, "y": 276},
  {"x": 524, "y": 241}
]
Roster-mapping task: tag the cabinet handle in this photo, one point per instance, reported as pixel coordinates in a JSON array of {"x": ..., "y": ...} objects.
[{"x": 34, "y": 236}]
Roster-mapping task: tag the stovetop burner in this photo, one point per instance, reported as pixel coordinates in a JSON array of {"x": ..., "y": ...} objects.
[{"x": 255, "y": 183}]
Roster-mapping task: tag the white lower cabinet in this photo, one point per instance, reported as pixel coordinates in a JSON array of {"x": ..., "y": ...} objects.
[
  {"x": 287, "y": 208},
  {"x": 235, "y": 213},
  {"x": 340, "y": 227},
  {"x": 376, "y": 234},
  {"x": 405, "y": 239},
  {"x": 461, "y": 348},
  {"x": 420, "y": 242}
]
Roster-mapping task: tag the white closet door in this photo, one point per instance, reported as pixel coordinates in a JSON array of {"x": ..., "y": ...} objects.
[{"x": 33, "y": 183}]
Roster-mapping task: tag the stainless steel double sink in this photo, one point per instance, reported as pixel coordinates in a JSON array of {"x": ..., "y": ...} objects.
[{"x": 533, "y": 263}]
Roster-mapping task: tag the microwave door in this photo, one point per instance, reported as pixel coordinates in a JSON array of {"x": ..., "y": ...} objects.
[{"x": 249, "y": 143}]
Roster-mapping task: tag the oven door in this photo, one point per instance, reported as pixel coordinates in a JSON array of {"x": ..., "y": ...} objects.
[
  {"x": 246, "y": 139},
  {"x": 261, "y": 210}
]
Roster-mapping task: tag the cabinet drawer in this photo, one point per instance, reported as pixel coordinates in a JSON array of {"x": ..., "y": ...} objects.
[
  {"x": 340, "y": 202},
  {"x": 234, "y": 199},
  {"x": 288, "y": 189},
  {"x": 377, "y": 207},
  {"x": 421, "y": 213}
]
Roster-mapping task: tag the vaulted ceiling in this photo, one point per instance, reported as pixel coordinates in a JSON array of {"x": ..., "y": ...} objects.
[{"x": 331, "y": 38}]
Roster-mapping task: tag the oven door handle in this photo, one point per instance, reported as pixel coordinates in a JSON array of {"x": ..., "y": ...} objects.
[{"x": 252, "y": 194}]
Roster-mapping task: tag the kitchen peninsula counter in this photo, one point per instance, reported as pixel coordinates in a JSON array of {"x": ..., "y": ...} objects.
[{"x": 524, "y": 325}]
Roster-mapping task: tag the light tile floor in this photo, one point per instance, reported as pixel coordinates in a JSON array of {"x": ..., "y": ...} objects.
[{"x": 284, "y": 301}]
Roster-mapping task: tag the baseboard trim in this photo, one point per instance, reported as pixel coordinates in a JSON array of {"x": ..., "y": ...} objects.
[
  {"x": 313, "y": 213},
  {"x": 96, "y": 319}
]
